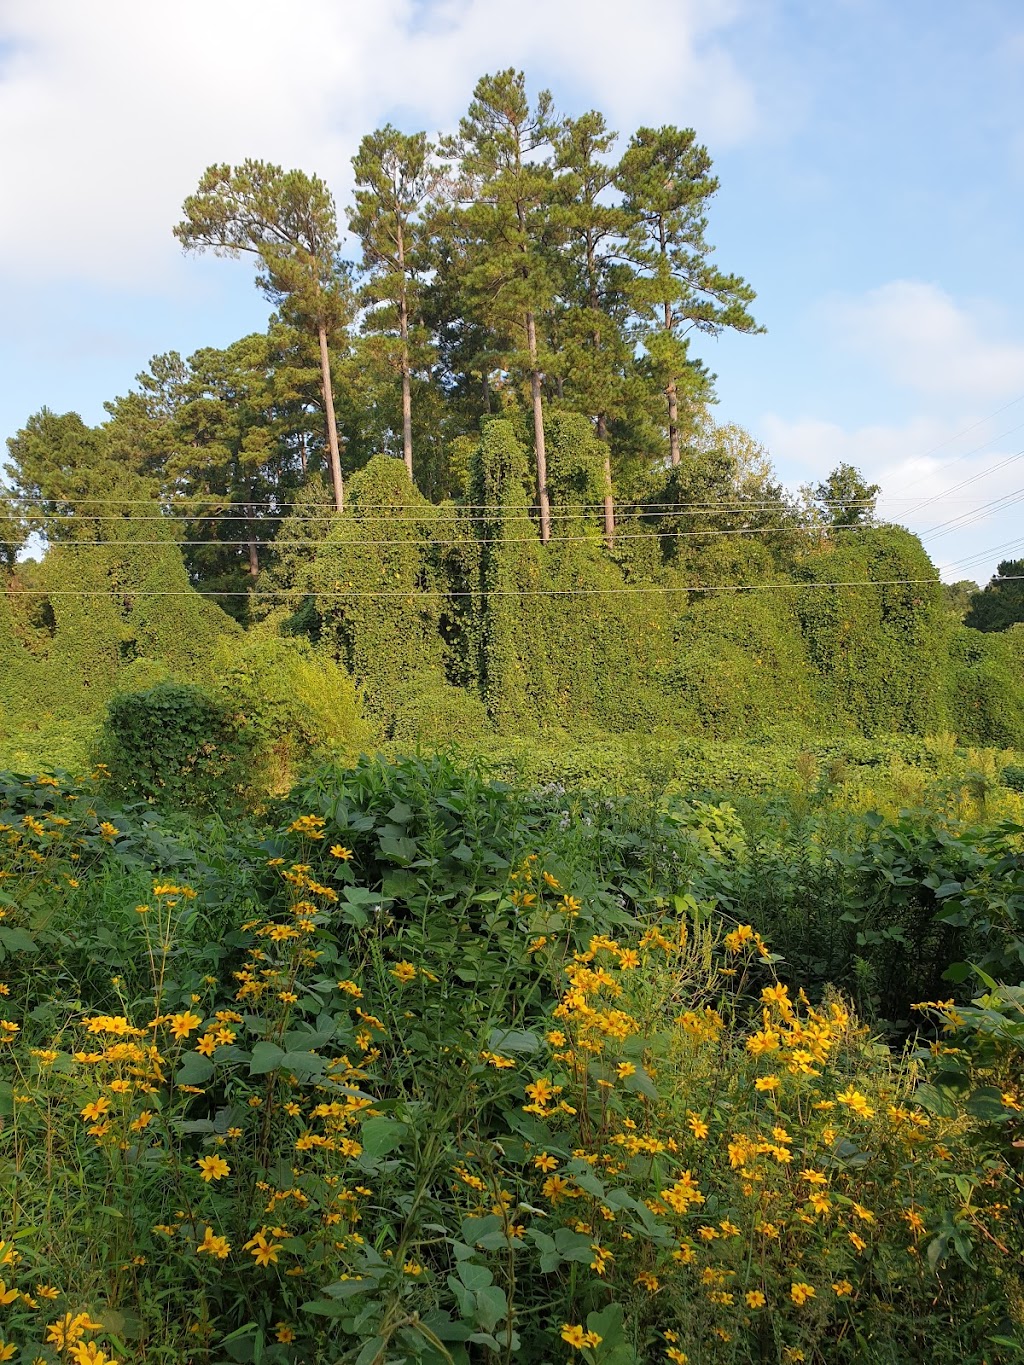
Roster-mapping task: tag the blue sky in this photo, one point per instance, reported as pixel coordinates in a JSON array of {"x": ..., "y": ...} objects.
[{"x": 871, "y": 158}]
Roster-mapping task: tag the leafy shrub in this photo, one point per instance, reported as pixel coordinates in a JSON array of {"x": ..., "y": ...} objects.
[
  {"x": 175, "y": 745},
  {"x": 297, "y": 704},
  {"x": 430, "y": 712},
  {"x": 410, "y": 1127}
]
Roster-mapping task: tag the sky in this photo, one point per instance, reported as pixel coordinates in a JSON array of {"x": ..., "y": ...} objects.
[{"x": 870, "y": 155}]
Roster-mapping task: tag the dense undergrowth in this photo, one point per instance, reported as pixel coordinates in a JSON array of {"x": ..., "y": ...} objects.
[{"x": 419, "y": 1065}]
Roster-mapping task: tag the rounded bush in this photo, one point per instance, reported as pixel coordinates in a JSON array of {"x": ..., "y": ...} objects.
[{"x": 175, "y": 745}]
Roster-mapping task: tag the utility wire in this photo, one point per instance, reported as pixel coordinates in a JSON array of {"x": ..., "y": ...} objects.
[{"x": 414, "y": 594}]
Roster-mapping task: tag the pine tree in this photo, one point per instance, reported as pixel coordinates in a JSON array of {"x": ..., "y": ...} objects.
[
  {"x": 287, "y": 220},
  {"x": 596, "y": 353},
  {"x": 666, "y": 181},
  {"x": 506, "y": 231},
  {"x": 396, "y": 177}
]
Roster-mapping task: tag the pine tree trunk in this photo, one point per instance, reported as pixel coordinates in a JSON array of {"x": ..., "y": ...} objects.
[
  {"x": 406, "y": 412},
  {"x": 403, "y": 325},
  {"x": 609, "y": 498},
  {"x": 538, "y": 432},
  {"x": 671, "y": 394},
  {"x": 594, "y": 301},
  {"x": 254, "y": 559},
  {"x": 332, "y": 425}
]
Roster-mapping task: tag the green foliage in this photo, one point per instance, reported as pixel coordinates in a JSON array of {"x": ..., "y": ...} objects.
[
  {"x": 71, "y": 625},
  {"x": 295, "y": 702},
  {"x": 388, "y": 550},
  {"x": 436, "y": 715},
  {"x": 739, "y": 666},
  {"x": 175, "y": 745},
  {"x": 1000, "y": 603},
  {"x": 880, "y": 650},
  {"x": 986, "y": 703},
  {"x": 495, "y": 1081}
]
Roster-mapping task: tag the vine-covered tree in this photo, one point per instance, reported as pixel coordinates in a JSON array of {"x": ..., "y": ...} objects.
[{"x": 845, "y": 498}]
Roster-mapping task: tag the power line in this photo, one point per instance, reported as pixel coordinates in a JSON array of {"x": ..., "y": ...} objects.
[
  {"x": 945, "y": 528},
  {"x": 470, "y": 541},
  {"x": 982, "y": 474},
  {"x": 967, "y": 453},
  {"x": 979, "y": 558},
  {"x": 414, "y": 594}
]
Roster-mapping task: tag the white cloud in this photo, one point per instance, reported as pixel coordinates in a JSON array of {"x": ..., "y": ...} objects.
[
  {"x": 109, "y": 112},
  {"x": 934, "y": 478},
  {"x": 920, "y": 337}
]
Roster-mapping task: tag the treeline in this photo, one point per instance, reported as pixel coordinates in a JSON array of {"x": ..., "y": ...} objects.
[
  {"x": 412, "y": 621},
  {"x": 515, "y": 269},
  {"x": 475, "y": 477}
]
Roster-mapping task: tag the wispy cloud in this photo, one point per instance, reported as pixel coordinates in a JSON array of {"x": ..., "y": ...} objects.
[{"x": 919, "y": 336}]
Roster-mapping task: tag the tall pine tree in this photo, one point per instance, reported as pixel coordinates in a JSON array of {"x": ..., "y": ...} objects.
[
  {"x": 396, "y": 177},
  {"x": 666, "y": 181},
  {"x": 508, "y": 232},
  {"x": 287, "y": 220}
]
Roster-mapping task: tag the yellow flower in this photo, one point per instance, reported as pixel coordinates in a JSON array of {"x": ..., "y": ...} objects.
[
  {"x": 755, "y": 1299},
  {"x": 108, "y": 832},
  {"x": 7, "y": 1349},
  {"x": 211, "y": 1245},
  {"x": 207, "y": 1045},
  {"x": 541, "y": 1091},
  {"x": 858, "y": 1242},
  {"x": 676, "y": 1356},
  {"x": 545, "y": 1162},
  {"x": 96, "y": 1109},
  {"x": 577, "y": 1337},
  {"x": 88, "y": 1353},
  {"x": 403, "y": 972},
  {"x": 7, "y": 1295},
  {"x": 766, "y": 1083},
  {"x": 697, "y": 1126},
  {"x": 343, "y": 853},
  {"x": 47, "y": 1291},
  {"x": 800, "y": 1293},
  {"x": 284, "y": 1333},
  {"x": 184, "y": 1024},
  {"x": 309, "y": 825},
  {"x": 744, "y": 933},
  {"x": 66, "y": 1331},
  {"x": 263, "y": 1252},
  {"x": 212, "y": 1167},
  {"x": 624, "y": 1070},
  {"x": 842, "y": 1287},
  {"x": 914, "y": 1220},
  {"x": 854, "y": 1100},
  {"x": 350, "y": 988}
]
